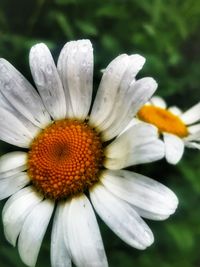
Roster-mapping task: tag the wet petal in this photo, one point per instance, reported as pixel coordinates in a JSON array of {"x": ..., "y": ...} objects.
[
  {"x": 33, "y": 230},
  {"x": 148, "y": 195},
  {"x": 85, "y": 241},
  {"x": 139, "y": 144},
  {"x": 59, "y": 252},
  {"x": 16, "y": 210},
  {"x": 26, "y": 122},
  {"x": 13, "y": 131},
  {"x": 75, "y": 66},
  {"x": 12, "y": 163},
  {"x": 20, "y": 93},
  {"x": 124, "y": 97},
  {"x": 127, "y": 106},
  {"x": 47, "y": 80},
  {"x": 122, "y": 219},
  {"x": 12, "y": 184}
]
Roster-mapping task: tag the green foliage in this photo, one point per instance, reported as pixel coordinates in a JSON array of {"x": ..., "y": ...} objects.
[{"x": 167, "y": 34}]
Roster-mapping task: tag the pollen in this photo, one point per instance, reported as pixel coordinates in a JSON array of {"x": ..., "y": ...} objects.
[
  {"x": 65, "y": 159},
  {"x": 163, "y": 119}
]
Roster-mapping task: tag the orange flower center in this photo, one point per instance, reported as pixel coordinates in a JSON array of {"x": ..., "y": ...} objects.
[
  {"x": 163, "y": 119},
  {"x": 65, "y": 159}
]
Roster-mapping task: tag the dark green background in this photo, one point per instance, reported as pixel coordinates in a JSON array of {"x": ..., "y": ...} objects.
[{"x": 167, "y": 34}]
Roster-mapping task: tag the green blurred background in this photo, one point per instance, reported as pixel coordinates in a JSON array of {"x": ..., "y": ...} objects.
[{"x": 167, "y": 34}]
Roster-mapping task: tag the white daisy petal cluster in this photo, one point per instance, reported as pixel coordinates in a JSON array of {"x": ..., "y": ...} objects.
[
  {"x": 173, "y": 141},
  {"x": 36, "y": 120}
]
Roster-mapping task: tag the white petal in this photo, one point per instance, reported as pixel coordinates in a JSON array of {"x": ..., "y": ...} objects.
[
  {"x": 114, "y": 86},
  {"x": 85, "y": 241},
  {"x": 137, "y": 145},
  {"x": 59, "y": 253},
  {"x": 175, "y": 110},
  {"x": 16, "y": 210},
  {"x": 145, "y": 153},
  {"x": 158, "y": 102},
  {"x": 33, "y": 230},
  {"x": 47, "y": 80},
  {"x": 33, "y": 129},
  {"x": 133, "y": 122},
  {"x": 12, "y": 163},
  {"x": 65, "y": 218},
  {"x": 12, "y": 184},
  {"x": 192, "y": 145},
  {"x": 121, "y": 218},
  {"x": 142, "y": 192},
  {"x": 20, "y": 93},
  {"x": 150, "y": 215},
  {"x": 193, "y": 137},
  {"x": 4, "y": 102},
  {"x": 192, "y": 115},
  {"x": 26, "y": 122},
  {"x": 75, "y": 66},
  {"x": 193, "y": 140},
  {"x": 126, "y": 106},
  {"x": 13, "y": 131},
  {"x": 108, "y": 89},
  {"x": 174, "y": 148},
  {"x": 136, "y": 62},
  {"x": 140, "y": 133},
  {"x": 194, "y": 128}
]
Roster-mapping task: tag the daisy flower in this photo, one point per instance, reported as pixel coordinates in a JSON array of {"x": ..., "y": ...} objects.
[
  {"x": 178, "y": 129},
  {"x": 72, "y": 157}
]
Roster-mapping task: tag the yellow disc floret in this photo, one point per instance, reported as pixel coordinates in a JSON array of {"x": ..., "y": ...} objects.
[
  {"x": 163, "y": 119},
  {"x": 65, "y": 159}
]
